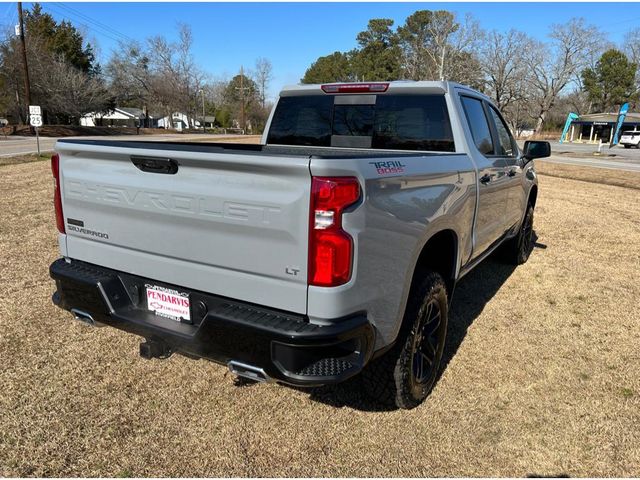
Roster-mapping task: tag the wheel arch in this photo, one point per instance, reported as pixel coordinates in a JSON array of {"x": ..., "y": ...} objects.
[
  {"x": 439, "y": 254},
  {"x": 533, "y": 196}
]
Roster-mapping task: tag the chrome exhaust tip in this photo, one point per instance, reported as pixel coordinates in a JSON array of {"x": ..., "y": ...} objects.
[
  {"x": 85, "y": 318},
  {"x": 248, "y": 371}
]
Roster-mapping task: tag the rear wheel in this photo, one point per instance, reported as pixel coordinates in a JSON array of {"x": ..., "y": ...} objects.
[
  {"x": 627, "y": 146},
  {"x": 518, "y": 249},
  {"x": 405, "y": 375}
]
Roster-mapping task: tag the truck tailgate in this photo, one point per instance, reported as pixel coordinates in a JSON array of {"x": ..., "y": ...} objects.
[{"x": 232, "y": 223}]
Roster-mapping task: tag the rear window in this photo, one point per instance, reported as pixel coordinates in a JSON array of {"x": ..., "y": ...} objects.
[
  {"x": 399, "y": 122},
  {"x": 302, "y": 121}
]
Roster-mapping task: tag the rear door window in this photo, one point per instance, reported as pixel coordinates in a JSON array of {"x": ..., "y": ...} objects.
[
  {"x": 478, "y": 124},
  {"x": 398, "y": 122},
  {"x": 413, "y": 122}
]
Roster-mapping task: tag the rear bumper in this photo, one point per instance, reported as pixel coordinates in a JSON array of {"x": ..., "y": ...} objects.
[{"x": 284, "y": 346}]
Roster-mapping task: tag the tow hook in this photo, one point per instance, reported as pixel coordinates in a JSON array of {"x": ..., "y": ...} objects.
[{"x": 154, "y": 349}]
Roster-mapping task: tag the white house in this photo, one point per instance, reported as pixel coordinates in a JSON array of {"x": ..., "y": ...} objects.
[
  {"x": 118, "y": 117},
  {"x": 178, "y": 120}
]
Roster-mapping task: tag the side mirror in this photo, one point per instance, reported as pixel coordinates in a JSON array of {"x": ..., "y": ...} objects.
[{"x": 536, "y": 149}]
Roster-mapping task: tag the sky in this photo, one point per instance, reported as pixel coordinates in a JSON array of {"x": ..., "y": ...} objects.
[{"x": 293, "y": 35}]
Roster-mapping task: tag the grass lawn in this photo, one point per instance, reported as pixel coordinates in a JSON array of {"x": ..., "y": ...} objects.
[{"x": 542, "y": 373}]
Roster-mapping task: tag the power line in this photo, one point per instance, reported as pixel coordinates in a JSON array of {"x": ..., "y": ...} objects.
[
  {"x": 9, "y": 8},
  {"x": 620, "y": 22},
  {"x": 66, "y": 16},
  {"x": 76, "y": 21},
  {"x": 12, "y": 14},
  {"x": 94, "y": 22}
]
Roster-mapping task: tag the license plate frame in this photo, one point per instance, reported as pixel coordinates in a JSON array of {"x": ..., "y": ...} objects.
[{"x": 168, "y": 302}]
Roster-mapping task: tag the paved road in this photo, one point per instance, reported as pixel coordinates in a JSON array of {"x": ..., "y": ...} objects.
[
  {"x": 616, "y": 153},
  {"x": 616, "y": 158},
  {"x": 13, "y": 146},
  {"x": 628, "y": 166}
]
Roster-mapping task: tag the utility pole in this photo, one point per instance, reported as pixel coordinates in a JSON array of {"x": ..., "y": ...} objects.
[
  {"x": 242, "y": 98},
  {"x": 27, "y": 85},
  {"x": 204, "y": 120}
]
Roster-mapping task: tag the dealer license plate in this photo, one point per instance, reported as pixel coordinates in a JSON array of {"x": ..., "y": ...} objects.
[{"x": 168, "y": 303}]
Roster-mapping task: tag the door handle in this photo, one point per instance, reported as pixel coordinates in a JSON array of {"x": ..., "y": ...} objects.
[
  {"x": 486, "y": 178},
  {"x": 512, "y": 172},
  {"x": 155, "y": 165}
]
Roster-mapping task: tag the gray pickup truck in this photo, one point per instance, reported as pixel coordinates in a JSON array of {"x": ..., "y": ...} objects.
[{"x": 332, "y": 248}]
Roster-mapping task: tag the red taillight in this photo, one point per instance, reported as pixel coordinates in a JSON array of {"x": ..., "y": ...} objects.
[
  {"x": 355, "y": 87},
  {"x": 57, "y": 198},
  {"x": 330, "y": 247}
]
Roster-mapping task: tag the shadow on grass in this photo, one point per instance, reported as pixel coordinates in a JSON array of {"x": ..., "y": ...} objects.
[{"x": 472, "y": 293}]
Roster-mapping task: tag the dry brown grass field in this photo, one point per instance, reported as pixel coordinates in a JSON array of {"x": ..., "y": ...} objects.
[
  {"x": 542, "y": 374},
  {"x": 620, "y": 178}
]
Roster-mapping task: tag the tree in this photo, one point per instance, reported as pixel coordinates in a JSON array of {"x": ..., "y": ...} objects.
[
  {"x": 263, "y": 76},
  {"x": 632, "y": 49},
  {"x": 555, "y": 65},
  {"x": 57, "y": 54},
  {"x": 428, "y": 46},
  {"x": 632, "y": 45},
  {"x": 70, "y": 92},
  {"x": 435, "y": 46},
  {"x": 415, "y": 37},
  {"x": 378, "y": 56},
  {"x": 159, "y": 75},
  {"x": 502, "y": 58},
  {"x": 612, "y": 81},
  {"x": 242, "y": 97},
  {"x": 503, "y": 63},
  {"x": 465, "y": 68},
  {"x": 330, "y": 68},
  {"x": 60, "y": 39}
]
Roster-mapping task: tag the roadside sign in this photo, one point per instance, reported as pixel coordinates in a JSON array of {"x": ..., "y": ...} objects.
[{"x": 35, "y": 120}]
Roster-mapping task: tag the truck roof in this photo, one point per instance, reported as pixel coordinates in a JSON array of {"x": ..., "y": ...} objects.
[{"x": 395, "y": 86}]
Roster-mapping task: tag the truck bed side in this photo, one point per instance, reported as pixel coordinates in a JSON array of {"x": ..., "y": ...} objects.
[{"x": 400, "y": 213}]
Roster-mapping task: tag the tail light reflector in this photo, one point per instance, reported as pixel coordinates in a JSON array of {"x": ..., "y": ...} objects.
[
  {"x": 57, "y": 198},
  {"x": 330, "y": 247}
]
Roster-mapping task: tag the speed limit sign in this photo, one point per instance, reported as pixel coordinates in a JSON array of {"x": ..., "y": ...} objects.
[{"x": 35, "y": 120}]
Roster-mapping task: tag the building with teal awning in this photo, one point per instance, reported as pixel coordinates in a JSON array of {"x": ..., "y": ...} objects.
[{"x": 594, "y": 127}]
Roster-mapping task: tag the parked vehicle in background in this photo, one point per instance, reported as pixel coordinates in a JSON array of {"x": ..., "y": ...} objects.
[
  {"x": 332, "y": 249},
  {"x": 630, "y": 139}
]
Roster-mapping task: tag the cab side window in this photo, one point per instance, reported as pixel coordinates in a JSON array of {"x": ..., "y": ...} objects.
[
  {"x": 506, "y": 144},
  {"x": 478, "y": 124}
]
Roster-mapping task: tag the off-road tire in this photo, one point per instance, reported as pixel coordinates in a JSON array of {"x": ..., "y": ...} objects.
[
  {"x": 392, "y": 378},
  {"x": 517, "y": 250}
]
